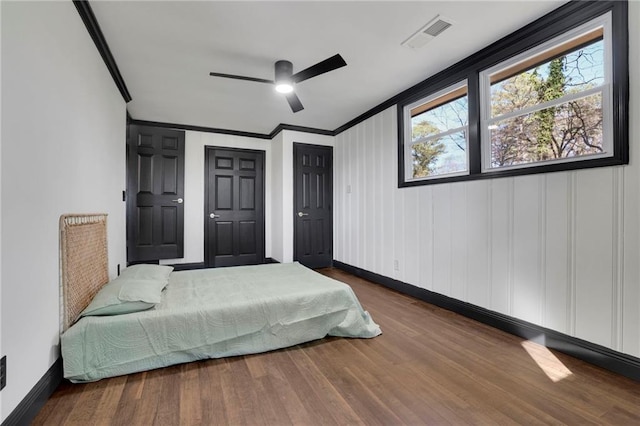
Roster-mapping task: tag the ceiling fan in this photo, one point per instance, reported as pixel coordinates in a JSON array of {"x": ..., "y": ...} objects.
[{"x": 285, "y": 79}]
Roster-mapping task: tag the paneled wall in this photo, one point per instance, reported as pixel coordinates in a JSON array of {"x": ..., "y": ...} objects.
[
  {"x": 546, "y": 248},
  {"x": 560, "y": 250}
]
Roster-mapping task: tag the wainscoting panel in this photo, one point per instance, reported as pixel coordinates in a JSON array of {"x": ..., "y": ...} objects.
[
  {"x": 390, "y": 173},
  {"x": 412, "y": 231},
  {"x": 501, "y": 257},
  {"x": 478, "y": 243},
  {"x": 459, "y": 242},
  {"x": 559, "y": 250},
  {"x": 352, "y": 202},
  {"x": 526, "y": 295},
  {"x": 629, "y": 314},
  {"x": 362, "y": 176},
  {"x": 594, "y": 243},
  {"x": 442, "y": 218}
]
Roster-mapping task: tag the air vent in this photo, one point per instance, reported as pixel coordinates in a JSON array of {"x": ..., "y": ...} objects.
[
  {"x": 425, "y": 34},
  {"x": 437, "y": 27}
]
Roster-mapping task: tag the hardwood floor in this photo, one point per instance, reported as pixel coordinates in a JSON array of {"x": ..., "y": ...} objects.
[{"x": 430, "y": 366}]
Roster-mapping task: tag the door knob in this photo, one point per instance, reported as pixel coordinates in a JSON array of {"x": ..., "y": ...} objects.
[
  {"x": 179, "y": 201},
  {"x": 300, "y": 214},
  {"x": 213, "y": 215}
]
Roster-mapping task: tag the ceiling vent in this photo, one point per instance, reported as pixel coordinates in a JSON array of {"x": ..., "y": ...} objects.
[{"x": 425, "y": 34}]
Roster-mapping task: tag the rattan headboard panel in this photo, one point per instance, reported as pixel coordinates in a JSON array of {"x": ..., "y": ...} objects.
[{"x": 84, "y": 263}]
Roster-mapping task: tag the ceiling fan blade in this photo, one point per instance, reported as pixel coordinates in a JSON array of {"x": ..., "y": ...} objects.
[
  {"x": 294, "y": 102},
  {"x": 327, "y": 65},
  {"x": 241, "y": 77}
]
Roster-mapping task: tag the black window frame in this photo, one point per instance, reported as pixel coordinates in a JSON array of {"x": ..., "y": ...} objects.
[
  {"x": 410, "y": 117},
  {"x": 551, "y": 25}
]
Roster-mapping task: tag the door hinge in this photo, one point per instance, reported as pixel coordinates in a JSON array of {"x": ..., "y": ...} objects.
[{"x": 124, "y": 195}]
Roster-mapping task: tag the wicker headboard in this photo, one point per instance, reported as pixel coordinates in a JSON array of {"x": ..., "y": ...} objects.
[{"x": 84, "y": 265}]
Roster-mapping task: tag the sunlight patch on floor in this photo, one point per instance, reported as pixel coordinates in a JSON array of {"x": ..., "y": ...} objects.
[{"x": 547, "y": 361}]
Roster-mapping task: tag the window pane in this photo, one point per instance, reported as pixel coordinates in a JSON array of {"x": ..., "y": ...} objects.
[
  {"x": 568, "y": 130},
  {"x": 450, "y": 115},
  {"x": 572, "y": 72},
  {"x": 440, "y": 155}
]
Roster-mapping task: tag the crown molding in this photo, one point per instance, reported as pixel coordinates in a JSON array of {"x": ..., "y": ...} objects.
[{"x": 90, "y": 21}]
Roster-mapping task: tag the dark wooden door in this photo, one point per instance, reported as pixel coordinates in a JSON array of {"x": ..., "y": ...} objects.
[
  {"x": 313, "y": 205},
  {"x": 234, "y": 207},
  {"x": 155, "y": 193}
]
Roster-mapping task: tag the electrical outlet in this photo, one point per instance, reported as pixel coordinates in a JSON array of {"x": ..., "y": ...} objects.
[
  {"x": 3, "y": 372},
  {"x": 396, "y": 265}
]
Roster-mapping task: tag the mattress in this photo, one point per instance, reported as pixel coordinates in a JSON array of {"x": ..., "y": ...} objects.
[{"x": 213, "y": 313}]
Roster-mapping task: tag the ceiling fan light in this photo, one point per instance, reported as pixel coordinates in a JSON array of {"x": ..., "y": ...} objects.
[
  {"x": 284, "y": 87},
  {"x": 284, "y": 70}
]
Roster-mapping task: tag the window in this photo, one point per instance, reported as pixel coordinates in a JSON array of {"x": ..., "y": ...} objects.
[
  {"x": 438, "y": 129},
  {"x": 552, "y": 96},
  {"x": 551, "y": 104}
]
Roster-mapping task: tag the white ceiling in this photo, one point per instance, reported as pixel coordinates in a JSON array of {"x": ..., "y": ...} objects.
[{"x": 166, "y": 49}]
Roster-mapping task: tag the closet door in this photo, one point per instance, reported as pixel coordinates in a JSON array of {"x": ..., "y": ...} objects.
[
  {"x": 155, "y": 193},
  {"x": 313, "y": 205},
  {"x": 234, "y": 207}
]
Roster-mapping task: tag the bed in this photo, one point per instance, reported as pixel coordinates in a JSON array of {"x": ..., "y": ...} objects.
[{"x": 200, "y": 314}]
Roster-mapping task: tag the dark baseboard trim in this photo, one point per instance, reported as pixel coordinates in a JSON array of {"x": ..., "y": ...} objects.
[
  {"x": 188, "y": 266},
  {"x": 29, "y": 407},
  {"x": 626, "y": 365},
  {"x": 90, "y": 21},
  {"x": 270, "y": 260}
]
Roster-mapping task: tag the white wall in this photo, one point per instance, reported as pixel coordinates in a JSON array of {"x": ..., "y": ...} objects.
[
  {"x": 63, "y": 151},
  {"x": 1, "y": 350},
  {"x": 277, "y": 185},
  {"x": 278, "y": 189},
  {"x": 560, "y": 250}
]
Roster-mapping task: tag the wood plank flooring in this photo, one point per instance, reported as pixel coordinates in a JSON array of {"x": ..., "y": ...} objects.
[{"x": 430, "y": 366}]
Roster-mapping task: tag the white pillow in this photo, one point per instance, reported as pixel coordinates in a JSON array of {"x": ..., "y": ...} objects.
[
  {"x": 147, "y": 272},
  {"x": 107, "y": 301},
  {"x": 141, "y": 290},
  {"x": 138, "y": 288}
]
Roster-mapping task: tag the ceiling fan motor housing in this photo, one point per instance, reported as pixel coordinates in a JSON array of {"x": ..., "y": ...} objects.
[{"x": 284, "y": 71}]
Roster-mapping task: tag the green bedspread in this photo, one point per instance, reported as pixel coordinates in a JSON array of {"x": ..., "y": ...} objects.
[{"x": 212, "y": 313}]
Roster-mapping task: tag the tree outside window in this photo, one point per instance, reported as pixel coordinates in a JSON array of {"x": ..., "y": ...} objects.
[
  {"x": 552, "y": 110},
  {"x": 439, "y": 135}
]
